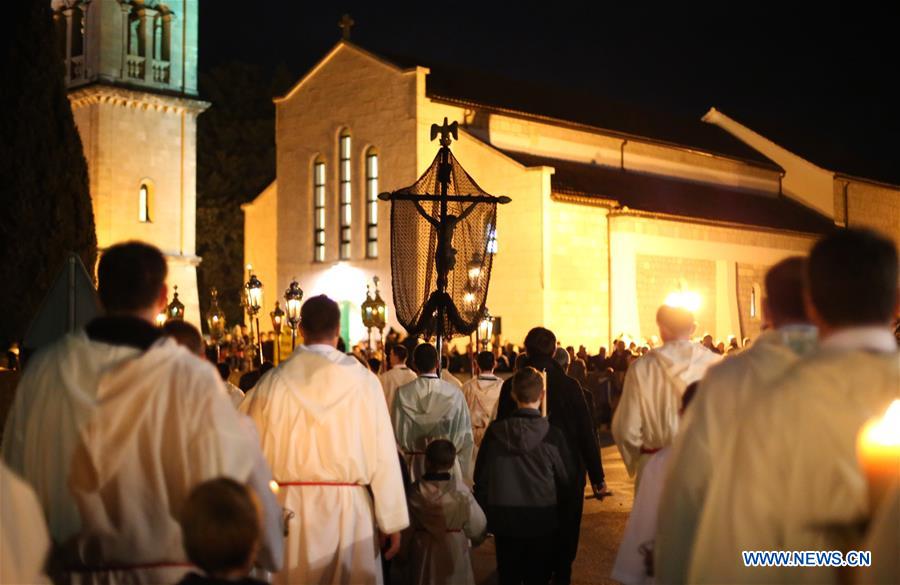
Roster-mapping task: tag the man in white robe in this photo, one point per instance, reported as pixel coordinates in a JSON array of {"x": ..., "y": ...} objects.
[
  {"x": 790, "y": 479},
  {"x": 429, "y": 408},
  {"x": 326, "y": 433},
  {"x": 115, "y": 424},
  {"x": 646, "y": 419},
  {"x": 397, "y": 375},
  {"x": 724, "y": 394},
  {"x": 24, "y": 543},
  {"x": 482, "y": 394},
  {"x": 883, "y": 541}
]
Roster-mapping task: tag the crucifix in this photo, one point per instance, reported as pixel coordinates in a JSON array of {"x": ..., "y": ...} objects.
[{"x": 345, "y": 24}]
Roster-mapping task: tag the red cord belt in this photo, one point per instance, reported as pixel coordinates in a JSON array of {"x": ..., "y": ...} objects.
[
  {"x": 319, "y": 483},
  {"x": 134, "y": 567},
  {"x": 648, "y": 451}
]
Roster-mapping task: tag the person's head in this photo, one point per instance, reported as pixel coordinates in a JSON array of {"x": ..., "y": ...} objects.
[
  {"x": 220, "y": 527},
  {"x": 688, "y": 396},
  {"x": 528, "y": 387},
  {"x": 224, "y": 370},
  {"x": 562, "y": 357},
  {"x": 783, "y": 299},
  {"x": 540, "y": 343},
  {"x": 721, "y": 346},
  {"x": 398, "y": 355},
  {"x": 425, "y": 358},
  {"x": 265, "y": 367},
  {"x": 185, "y": 335},
  {"x": 708, "y": 340},
  {"x": 571, "y": 351},
  {"x": 851, "y": 280},
  {"x": 439, "y": 456},
  {"x": 674, "y": 323},
  {"x": 602, "y": 353},
  {"x": 620, "y": 345},
  {"x": 578, "y": 370},
  {"x": 320, "y": 321},
  {"x": 486, "y": 362},
  {"x": 375, "y": 365},
  {"x": 131, "y": 280},
  {"x": 520, "y": 361}
]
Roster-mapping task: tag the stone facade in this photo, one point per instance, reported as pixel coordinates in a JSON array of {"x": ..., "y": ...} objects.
[
  {"x": 867, "y": 204},
  {"x": 751, "y": 280},
  {"x": 578, "y": 265},
  {"x": 131, "y": 69}
]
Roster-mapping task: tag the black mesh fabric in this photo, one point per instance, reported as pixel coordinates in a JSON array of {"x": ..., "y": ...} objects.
[{"x": 414, "y": 247}]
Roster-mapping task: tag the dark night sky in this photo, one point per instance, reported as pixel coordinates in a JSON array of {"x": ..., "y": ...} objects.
[{"x": 819, "y": 82}]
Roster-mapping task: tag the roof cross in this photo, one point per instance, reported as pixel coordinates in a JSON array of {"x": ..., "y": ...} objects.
[{"x": 345, "y": 24}]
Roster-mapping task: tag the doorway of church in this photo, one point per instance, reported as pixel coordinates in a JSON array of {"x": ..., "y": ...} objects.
[{"x": 346, "y": 316}]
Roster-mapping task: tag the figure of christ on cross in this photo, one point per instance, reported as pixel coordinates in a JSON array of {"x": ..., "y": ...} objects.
[{"x": 445, "y": 247}]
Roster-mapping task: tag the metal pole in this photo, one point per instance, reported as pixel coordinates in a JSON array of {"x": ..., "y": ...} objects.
[
  {"x": 278, "y": 348},
  {"x": 443, "y": 269},
  {"x": 293, "y": 338},
  {"x": 259, "y": 342}
]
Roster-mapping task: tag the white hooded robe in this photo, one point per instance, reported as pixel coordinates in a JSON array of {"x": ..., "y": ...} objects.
[
  {"x": 482, "y": 394},
  {"x": 726, "y": 390},
  {"x": 426, "y": 409},
  {"x": 789, "y": 478},
  {"x": 647, "y": 416},
  {"x": 393, "y": 379},
  {"x": 24, "y": 542},
  {"x": 325, "y": 431}
]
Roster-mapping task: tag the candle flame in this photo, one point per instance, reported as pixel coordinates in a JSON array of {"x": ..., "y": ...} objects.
[
  {"x": 273, "y": 485},
  {"x": 886, "y": 430}
]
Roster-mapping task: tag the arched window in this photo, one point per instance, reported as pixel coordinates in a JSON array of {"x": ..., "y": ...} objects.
[
  {"x": 492, "y": 239},
  {"x": 144, "y": 196},
  {"x": 371, "y": 203},
  {"x": 345, "y": 194},
  {"x": 162, "y": 25},
  {"x": 754, "y": 301},
  {"x": 136, "y": 24},
  {"x": 78, "y": 24},
  {"x": 319, "y": 210}
]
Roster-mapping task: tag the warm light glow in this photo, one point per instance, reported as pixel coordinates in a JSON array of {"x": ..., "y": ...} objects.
[
  {"x": 878, "y": 451},
  {"x": 160, "y": 319},
  {"x": 273, "y": 485},
  {"x": 684, "y": 299},
  {"x": 469, "y": 298}
]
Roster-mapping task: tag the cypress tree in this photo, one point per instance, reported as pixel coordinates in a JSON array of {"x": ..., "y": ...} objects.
[{"x": 44, "y": 191}]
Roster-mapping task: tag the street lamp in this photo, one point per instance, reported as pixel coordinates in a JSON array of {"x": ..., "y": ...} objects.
[
  {"x": 292, "y": 297},
  {"x": 474, "y": 271},
  {"x": 175, "y": 310},
  {"x": 374, "y": 312},
  {"x": 254, "y": 290},
  {"x": 277, "y": 320},
  {"x": 485, "y": 328},
  {"x": 215, "y": 320}
]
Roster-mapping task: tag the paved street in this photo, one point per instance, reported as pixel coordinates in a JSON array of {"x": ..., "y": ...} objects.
[{"x": 601, "y": 529}]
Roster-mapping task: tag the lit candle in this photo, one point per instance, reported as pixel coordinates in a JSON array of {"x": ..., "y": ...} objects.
[
  {"x": 878, "y": 451},
  {"x": 273, "y": 485}
]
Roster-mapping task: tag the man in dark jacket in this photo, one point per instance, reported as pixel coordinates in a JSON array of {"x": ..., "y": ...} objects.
[
  {"x": 567, "y": 411},
  {"x": 522, "y": 468}
]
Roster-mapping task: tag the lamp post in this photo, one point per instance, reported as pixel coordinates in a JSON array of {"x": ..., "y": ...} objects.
[
  {"x": 292, "y": 297},
  {"x": 277, "y": 321},
  {"x": 374, "y": 313},
  {"x": 485, "y": 328},
  {"x": 380, "y": 312},
  {"x": 254, "y": 290},
  {"x": 175, "y": 310},
  {"x": 215, "y": 321}
]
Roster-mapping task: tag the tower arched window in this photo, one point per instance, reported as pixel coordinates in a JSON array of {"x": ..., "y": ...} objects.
[
  {"x": 371, "y": 203},
  {"x": 319, "y": 210},
  {"x": 345, "y": 194},
  {"x": 144, "y": 202},
  {"x": 136, "y": 33},
  {"x": 755, "y": 293}
]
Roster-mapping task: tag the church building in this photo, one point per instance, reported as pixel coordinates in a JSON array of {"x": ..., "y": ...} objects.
[
  {"x": 613, "y": 210},
  {"x": 131, "y": 70}
]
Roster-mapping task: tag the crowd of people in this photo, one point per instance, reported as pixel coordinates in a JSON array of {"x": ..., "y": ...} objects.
[{"x": 128, "y": 456}]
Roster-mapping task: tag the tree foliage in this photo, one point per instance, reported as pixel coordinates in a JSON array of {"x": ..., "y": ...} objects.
[
  {"x": 44, "y": 190},
  {"x": 235, "y": 162}
]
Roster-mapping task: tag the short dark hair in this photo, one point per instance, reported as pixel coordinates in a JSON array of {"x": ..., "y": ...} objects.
[
  {"x": 374, "y": 364},
  {"x": 540, "y": 342},
  {"x": 224, "y": 370},
  {"x": 220, "y": 525},
  {"x": 527, "y": 385},
  {"x": 399, "y": 352},
  {"x": 852, "y": 278},
  {"x": 486, "y": 361},
  {"x": 320, "y": 317},
  {"x": 130, "y": 276},
  {"x": 185, "y": 335},
  {"x": 440, "y": 455},
  {"x": 784, "y": 289},
  {"x": 425, "y": 358}
]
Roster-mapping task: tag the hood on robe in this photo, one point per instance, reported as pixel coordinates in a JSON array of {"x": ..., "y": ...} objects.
[
  {"x": 521, "y": 434},
  {"x": 434, "y": 507},
  {"x": 327, "y": 377},
  {"x": 684, "y": 362},
  {"x": 426, "y": 403}
]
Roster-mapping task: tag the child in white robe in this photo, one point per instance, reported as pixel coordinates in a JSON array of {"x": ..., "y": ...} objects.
[
  {"x": 634, "y": 564},
  {"x": 444, "y": 518}
]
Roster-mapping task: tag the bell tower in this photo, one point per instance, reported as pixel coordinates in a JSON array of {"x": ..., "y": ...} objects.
[{"x": 131, "y": 71}]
